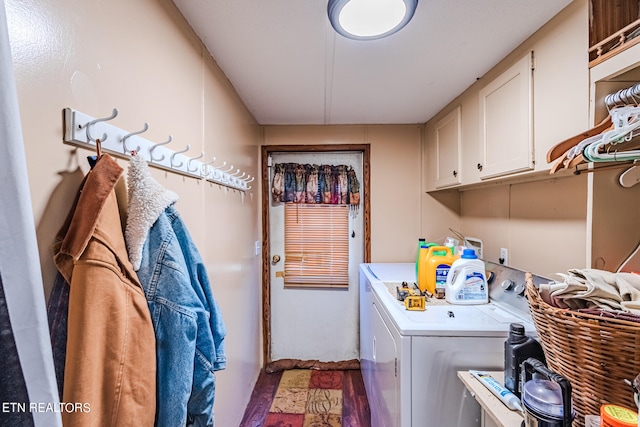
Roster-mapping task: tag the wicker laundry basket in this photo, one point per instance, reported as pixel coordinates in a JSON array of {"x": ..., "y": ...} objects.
[{"x": 596, "y": 354}]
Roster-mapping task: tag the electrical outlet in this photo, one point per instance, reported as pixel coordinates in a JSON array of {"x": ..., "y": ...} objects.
[{"x": 504, "y": 256}]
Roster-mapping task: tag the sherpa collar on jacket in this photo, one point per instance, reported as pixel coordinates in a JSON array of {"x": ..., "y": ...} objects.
[{"x": 147, "y": 201}]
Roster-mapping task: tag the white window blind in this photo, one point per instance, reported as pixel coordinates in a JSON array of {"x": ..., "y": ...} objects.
[{"x": 316, "y": 245}]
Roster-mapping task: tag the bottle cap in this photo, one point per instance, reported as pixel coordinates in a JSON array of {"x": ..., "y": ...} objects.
[
  {"x": 618, "y": 416},
  {"x": 469, "y": 254},
  {"x": 516, "y": 328}
]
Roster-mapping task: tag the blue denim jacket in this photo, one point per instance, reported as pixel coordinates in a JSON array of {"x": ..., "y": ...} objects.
[{"x": 188, "y": 323}]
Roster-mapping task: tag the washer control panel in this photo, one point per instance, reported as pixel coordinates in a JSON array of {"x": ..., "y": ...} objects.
[{"x": 508, "y": 287}]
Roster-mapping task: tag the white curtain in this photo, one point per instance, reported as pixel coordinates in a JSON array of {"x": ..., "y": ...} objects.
[{"x": 19, "y": 260}]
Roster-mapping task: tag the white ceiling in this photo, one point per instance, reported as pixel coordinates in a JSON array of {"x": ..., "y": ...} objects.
[{"x": 290, "y": 67}]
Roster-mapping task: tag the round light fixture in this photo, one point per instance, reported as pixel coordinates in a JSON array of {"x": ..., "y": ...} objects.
[{"x": 370, "y": 19}]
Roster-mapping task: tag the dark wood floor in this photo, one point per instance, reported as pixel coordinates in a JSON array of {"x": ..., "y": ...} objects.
[{"x": 355, "y": 406}]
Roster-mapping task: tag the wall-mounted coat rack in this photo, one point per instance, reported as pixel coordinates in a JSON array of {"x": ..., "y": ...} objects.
[{"x": 82, "y": 130}]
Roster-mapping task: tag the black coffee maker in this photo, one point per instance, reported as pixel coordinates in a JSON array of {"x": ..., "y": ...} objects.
[{"x": 546, "y": 396}]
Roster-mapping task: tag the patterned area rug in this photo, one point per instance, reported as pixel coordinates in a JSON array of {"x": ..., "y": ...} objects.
[{"x": 307, "y": 398}]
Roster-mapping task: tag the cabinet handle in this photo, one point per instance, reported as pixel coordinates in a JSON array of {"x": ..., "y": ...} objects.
[
  {"x": 479, "y": 166},
  {"x": 374, "y": 349}
]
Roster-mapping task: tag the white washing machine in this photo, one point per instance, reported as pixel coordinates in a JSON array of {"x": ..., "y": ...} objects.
[{"x": 410, "y": 359}]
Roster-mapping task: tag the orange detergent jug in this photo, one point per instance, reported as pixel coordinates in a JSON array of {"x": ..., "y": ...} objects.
[{"x": 435, "y": 262}]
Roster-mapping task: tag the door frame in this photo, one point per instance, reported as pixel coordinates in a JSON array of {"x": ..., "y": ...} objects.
[{"x": 266, "y": 195}]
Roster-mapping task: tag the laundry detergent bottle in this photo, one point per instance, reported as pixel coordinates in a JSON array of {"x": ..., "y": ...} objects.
[
  {"x": 421, "y": 244},
  {"x": 467, "y": 281},
  {"x": 435, "y": 262},
  {"x": 423, "y": 247}
]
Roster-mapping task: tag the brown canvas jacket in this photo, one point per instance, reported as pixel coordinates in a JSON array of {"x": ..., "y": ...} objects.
[{"x": 110, "y": 366}]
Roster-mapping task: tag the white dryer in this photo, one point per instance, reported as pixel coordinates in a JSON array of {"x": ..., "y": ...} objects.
[{"x": 410, "y": 359}]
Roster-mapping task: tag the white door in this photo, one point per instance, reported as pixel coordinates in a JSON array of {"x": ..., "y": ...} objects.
[{"x": 315, "y": 323}]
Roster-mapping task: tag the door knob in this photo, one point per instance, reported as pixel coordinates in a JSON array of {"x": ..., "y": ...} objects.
[{"x": 275, "y": 259}]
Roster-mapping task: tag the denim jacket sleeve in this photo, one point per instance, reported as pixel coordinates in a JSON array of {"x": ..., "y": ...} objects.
[
  {"x": 177, "y": 293},
  {"x": 202, "y": 287}
]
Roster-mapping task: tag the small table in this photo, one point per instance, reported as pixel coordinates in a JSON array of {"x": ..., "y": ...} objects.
[{"x": 494, "y": 412}]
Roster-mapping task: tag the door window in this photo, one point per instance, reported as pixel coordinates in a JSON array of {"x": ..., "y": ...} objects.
[{"x": 316, "y": 245}]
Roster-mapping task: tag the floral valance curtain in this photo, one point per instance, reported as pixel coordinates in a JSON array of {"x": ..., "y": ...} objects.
[{"x": 304, "y": 183}]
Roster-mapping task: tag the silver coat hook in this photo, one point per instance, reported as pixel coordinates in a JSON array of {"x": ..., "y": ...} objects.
[
  {"x": 88, "y": 126},
  {"x": 173, "y": 156},
  {"x": 161, "y": 158},
  {"x": 124, "y": 138},
  {"x": 191, "y": 160}
]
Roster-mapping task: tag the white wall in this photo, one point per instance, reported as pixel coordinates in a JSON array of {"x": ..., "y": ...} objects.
[{"x": 141, "y": 57}]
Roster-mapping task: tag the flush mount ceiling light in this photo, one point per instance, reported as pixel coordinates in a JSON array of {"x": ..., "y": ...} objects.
[{"x": 370, "y": 19}]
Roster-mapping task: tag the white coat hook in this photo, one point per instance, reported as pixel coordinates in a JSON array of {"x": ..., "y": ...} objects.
[
  {"x": 228, "y": 170},
  {"x": 251, "y": 180},
  {"x": 240, "y": 177},
  {"x": 191, "y": 160},
  {"x": 161, "y": 158},
  {"x": 235, "y": 173},
  {"x": 209, "y": 163},
  {"x": 113, "y": 115},
  {"x": 247, "y": 178},
  {"x": 215, "y": 168},
  {"x": 205, "y": 167},
  {"x": 124, "y": 139},
  {"x": 173, "y": 156}
]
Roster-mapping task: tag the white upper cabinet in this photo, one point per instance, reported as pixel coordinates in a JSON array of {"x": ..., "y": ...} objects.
[
  {"x": 506, "y": 121},
  {"x": 447, "y": 137}
]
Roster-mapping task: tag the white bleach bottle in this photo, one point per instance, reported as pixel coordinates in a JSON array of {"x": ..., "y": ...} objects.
[{"x": 467, "y": 280}]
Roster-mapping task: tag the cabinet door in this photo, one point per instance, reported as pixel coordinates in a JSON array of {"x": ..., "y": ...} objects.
[
  {"x": 366, "y": 331},
  {"x": 447, "y": 140},
  {"x": 487, "y": 421},
  {"x": 506, "y": 120},
  {"x": 385, "y": 405}
]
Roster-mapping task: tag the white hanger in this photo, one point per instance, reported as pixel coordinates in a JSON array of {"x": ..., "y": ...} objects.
[
  {"x": 630, "y": 177},
  {"x": 626, "y": 120},
  {"x": 631, "y": 264}
]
